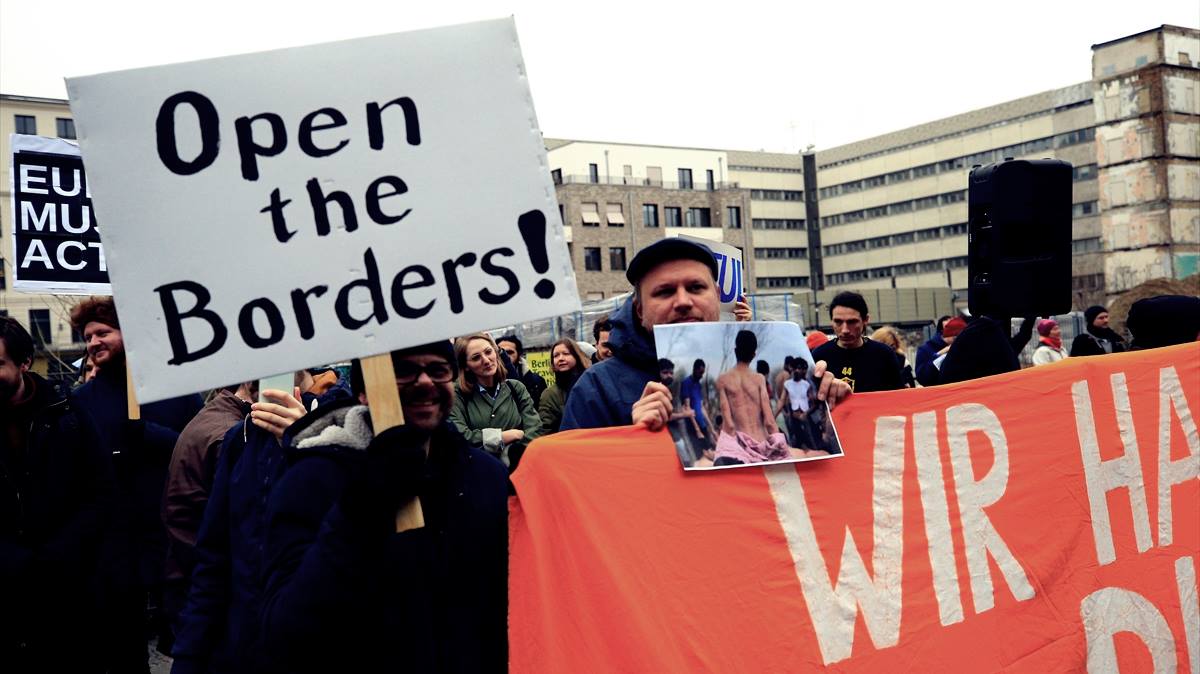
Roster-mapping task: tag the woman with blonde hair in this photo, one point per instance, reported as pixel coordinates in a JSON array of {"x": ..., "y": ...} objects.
[
  {"x": 490, "y": 410},
  {"x": 568, "y": 362},
  {"x": 890, "y": 337}
]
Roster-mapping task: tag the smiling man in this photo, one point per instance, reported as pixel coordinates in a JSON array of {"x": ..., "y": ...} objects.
[
  {"x": 140, "y": 451},
  {"x": 344, "y": 590},
  {"x": 674, "y": 281}
]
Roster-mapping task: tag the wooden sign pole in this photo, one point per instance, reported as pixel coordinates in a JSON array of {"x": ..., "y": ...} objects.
[
  {"x": 384, "y": 399},
  {"x": 135, "y": 410}
]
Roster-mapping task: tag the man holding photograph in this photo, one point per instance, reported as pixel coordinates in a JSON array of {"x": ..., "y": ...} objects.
[{"x": 674, "y": 281}]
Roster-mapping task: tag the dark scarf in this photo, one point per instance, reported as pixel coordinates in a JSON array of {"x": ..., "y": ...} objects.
[{"x": 566, "y": 380}]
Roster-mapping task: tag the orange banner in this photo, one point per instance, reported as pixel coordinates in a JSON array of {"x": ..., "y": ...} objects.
[{"x": 1046, "y": 520}]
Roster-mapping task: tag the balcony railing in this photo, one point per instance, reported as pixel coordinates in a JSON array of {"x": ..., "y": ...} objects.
[{"x": 637, "y": 181}]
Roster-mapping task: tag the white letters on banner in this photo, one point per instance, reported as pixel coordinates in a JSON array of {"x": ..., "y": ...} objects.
[
  {"x": 285, "y": 209},
  {"x": 55, "y": 240}
]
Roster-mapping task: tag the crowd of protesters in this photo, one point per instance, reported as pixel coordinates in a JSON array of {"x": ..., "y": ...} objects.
[{"x": 258, "y": 531}]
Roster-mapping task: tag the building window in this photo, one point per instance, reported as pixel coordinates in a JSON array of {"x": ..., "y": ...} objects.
[
  {"x": 1085, "y": 172},
  {"x": 3, "y": 280},
  {"x": 673, "y": 216},
  {"x": 562, "y": 216},
  {"x": 1085, "y": 245},
  {"x": 556, "y": 176},
  {"x": 708, "y": 177},
  {"x": 593, "y": 173},
  {"x": 772, "y": 223},
  {"x": 954, "y": 230},
  {"x": 1083, "y": 208},
  {"x": 590, "y": 213},
  {"x": 39, "y": 326},
  {"x": 929, "y": 234},
  {"x": 956, "y": 262},
  {"x": 954, "y": 197},
  {"x": 931, "y": 265},
  {"x": 779, "y": 253},
  {"x": 699, "y": 217},
  {"x": 733, "y": 217},
  {"x": 76, "y": 335},
  {"x": 782, "y": 282},
  {"x": 650, "y": 215},
  {"x": 879, "y": 242},
  {"x": 26, "y": 124},
  {"x": 685, "y": 179},
  {"x": 616, "y": 259},
  {"x": 907, "y": 237},
  {"x": 591, "y": 259},
  {"x": 65, "y": 127},
  {"x": 614, "y": 215}
]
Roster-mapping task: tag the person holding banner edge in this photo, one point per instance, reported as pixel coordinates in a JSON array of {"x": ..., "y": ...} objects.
[
  {"x": 674, "y": 281},
  {"x": 344, "y": 590}
]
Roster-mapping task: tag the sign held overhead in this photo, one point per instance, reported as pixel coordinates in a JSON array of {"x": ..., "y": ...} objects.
[{"x": 320, "y": 203}]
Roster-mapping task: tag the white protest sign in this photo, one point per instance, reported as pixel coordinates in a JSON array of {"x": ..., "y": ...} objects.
[
  {"x": 729, "y": 273},
  {"x": 55, "y": 242},
  {"x": 278, "y": 210}
]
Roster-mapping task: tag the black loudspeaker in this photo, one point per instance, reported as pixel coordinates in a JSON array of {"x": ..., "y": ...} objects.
[{"x": 1019, "y": 234}]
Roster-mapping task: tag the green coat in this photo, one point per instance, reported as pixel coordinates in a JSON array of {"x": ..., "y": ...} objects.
[
  {"x": 550, "y": 408},
  {"x": 481, "y": 419}
]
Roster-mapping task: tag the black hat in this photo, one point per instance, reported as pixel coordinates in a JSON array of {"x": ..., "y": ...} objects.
[
  {"x": 1164, "y": 320},
  {"x": 665, "y": 250}
]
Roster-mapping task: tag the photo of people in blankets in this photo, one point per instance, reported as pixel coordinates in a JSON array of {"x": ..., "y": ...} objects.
[{"x": 743, "y": 395}]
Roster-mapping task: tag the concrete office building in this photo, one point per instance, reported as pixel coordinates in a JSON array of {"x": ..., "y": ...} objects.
[
  {"x": 890, "y": 212},
  {"x": 47, "y": 317},
  {"x": 1147, "y": 92}
]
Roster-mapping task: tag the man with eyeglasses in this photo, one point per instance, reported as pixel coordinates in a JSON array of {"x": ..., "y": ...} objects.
[{"x": 344, "y": 590}]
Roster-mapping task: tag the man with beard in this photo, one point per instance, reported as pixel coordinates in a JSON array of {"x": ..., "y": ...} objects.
[
  {"x": 1099, "y": 338},
  {"x": 55, "y": 488},
  {"x": 134, "y": 554},
  {"x": 344, "y": 590},
  {"x": 674, "y": 281}
]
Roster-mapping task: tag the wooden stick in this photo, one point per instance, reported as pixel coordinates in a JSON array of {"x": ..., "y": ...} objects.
[
  {"x": 384, "y": 399},
  {"x": 135, "y": 410}
]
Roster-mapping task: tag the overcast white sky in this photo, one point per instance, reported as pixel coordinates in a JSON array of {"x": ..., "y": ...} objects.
[{"x": 746, "y": 75}]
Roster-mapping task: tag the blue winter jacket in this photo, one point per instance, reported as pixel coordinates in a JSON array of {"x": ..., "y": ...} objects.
[
  {"x": 605, "y": 393},
  {"x": 218, "y": 628},
  {"x": 924, "y": 369},
  {"x": 346, "y": 593}
]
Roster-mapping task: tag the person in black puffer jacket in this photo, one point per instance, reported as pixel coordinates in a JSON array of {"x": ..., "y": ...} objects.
[{"x": 1099, "y": 338}]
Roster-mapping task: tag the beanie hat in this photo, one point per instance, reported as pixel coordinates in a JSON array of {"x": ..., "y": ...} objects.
[
  {"x": 816, "y": 338},
  {"x": 1045, "y": 325},
  {"x": 954, "y": 326},
  {"x": 1092, "y": 312}
]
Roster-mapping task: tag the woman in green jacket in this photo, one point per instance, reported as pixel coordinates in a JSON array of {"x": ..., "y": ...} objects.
[
  {"x": 491, "y": 411},
  {"x": 568, "y": 362}
]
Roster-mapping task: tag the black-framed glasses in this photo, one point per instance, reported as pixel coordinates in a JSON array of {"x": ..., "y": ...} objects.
[{"x": 408, "y": 372}]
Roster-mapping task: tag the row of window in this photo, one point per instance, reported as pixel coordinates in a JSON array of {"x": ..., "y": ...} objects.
[
  {"x": 926, "y": 267},
  {"x": 895, "y": 239},
  {"x": 956, "y": 134},
  {"x": 958, "y": 163},
  {"x": 64, "y": 127},
  {"x": 763, "y": 169},
  {"x": 673, "y": 216},
  {"x": 616, "y": 259},
  {"x": 782, "y": 281},
  {"x": 895, "y": 208},
  {"x": 776, "y": 223},
  {"x": 777, "y": 195},
  {"x": 653, "y": 177},
  {"x": 780, "y": 253}
]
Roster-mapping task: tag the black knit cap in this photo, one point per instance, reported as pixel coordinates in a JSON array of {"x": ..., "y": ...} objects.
[
  {"x": 1164, "y": 320},
  {"x": 665, "y": 250}
]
